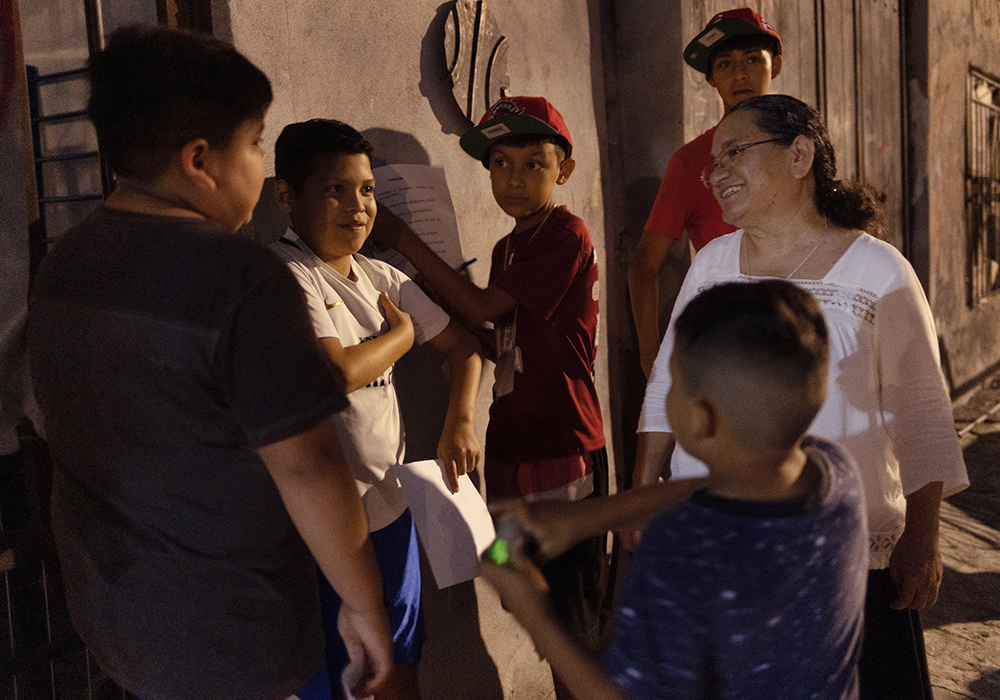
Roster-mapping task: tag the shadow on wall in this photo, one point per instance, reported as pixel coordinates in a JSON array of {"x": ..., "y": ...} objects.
[
  {"x": 421, "y": 383},
  {"x": 435, "y": 82},
  {"x": 454, "y": 637},
  {"x": 987, "y": 685},
  {"x": 268, "y": 222},
  {"x": 620, "y": 114}
]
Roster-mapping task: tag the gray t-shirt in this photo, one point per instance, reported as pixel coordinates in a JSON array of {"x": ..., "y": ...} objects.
[{"x": 163, "y": 352}]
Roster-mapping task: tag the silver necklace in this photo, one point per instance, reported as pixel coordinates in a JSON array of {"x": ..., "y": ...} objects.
[
  {"x": 508, "y": 257},
  {"x": 746, "y": 253}
]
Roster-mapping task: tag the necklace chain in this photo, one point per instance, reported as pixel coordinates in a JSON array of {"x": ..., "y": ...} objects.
[
  {"x": 507, "y": 256},
  {"x": 746, "y": 253}
]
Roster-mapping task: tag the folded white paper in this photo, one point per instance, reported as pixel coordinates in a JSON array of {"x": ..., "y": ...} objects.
[{"x": 454, "y": 528}]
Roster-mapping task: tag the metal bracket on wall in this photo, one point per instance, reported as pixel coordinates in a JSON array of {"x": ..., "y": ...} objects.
[{"x": 476, "y": 56}]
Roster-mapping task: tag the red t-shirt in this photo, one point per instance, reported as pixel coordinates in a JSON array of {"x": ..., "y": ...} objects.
[
  {"x": 546, "y": 404},
  {"x": 683, "y": 202}
]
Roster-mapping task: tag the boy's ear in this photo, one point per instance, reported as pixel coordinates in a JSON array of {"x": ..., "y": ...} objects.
[
  {"x": 566, "y": 169},
  {"x": 194, "y": 157},
  {"x": 284, "y": 196},
  {"x": 704, "y": 419},
  {"x": 775, "y": 66}
]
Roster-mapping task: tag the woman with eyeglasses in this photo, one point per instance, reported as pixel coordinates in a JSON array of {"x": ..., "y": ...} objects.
[{"x": 773, "y": 172}]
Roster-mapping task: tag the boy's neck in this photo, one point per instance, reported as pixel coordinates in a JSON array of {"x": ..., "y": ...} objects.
[
  {"x": 143, "y": 198},
  {"x": 339, "y": 262},
  {"x": 534, "y": 220},
  {"x": 767, "y": 477},
  {"x": 343, "y": 265}
]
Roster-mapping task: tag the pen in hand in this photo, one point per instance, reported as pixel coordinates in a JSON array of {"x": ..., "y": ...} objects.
[{"x": 464, "y": 266}]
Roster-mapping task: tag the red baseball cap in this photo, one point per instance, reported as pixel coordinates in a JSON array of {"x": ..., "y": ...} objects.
[
  {"x": 727, "y": 25},
  {"x": 514, "y": 116}
]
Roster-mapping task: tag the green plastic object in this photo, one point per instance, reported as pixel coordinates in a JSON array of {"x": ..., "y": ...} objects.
[{"x": 498, "y": 552}]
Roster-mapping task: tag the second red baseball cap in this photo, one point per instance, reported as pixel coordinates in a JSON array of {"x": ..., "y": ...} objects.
[
  {"x": 727, "y": 25},
  {"x": 514, "y": 116}
]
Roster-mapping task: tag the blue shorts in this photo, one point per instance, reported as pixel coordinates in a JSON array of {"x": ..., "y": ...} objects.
[{"x": 398, "y": 560}]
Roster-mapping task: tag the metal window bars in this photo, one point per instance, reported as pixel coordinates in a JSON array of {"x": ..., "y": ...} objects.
[
  {"x": 70, "y": 176},
  {"x": 41, "y": 656},
  {"x": 982, "y": 184}
]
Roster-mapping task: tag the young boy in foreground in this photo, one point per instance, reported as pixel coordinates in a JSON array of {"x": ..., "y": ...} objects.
[
  {"x": 739, "y": 54},
  {"x": 545, "y": 438},
  {"x": 367, "y": 315},
  {"x": 753, "y": 589},
  {"x": 195, "y": 465}
]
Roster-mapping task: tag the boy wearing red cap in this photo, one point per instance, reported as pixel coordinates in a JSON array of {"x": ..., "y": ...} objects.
[
  {"x": 545, "y": 438},
  {"x": 740, "y": 54}
]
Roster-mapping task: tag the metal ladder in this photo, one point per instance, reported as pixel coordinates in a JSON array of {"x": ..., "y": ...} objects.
[
  {"x": 39, "y": 236},
  {"x": 41, "y": 656}
]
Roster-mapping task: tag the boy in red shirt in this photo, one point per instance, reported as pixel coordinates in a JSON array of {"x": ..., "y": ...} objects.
[
  {"x": 545, "y": 438},
  {"x": 739, "y": 53}
]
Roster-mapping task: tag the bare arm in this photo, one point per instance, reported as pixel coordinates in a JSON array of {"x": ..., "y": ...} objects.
[
  {"x": 473, "y": 305},
  {"x": 556, "y": 526},
  {"x": 915, "y": 563},
  {"x": 317, "y": 487},
  {"x": 644, "y": 292},
  {"x": 652, "y": 462},
  {"x": 523, "y": 590},
  {"x": 487, "y": 341},
  {"x": 364, "y": 363},
  {"x": 652, "y": 459},
  {"x": 458, "y": 448}
]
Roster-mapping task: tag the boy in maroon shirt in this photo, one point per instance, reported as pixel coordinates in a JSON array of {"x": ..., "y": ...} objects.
[{"x": 545, "y": 438}]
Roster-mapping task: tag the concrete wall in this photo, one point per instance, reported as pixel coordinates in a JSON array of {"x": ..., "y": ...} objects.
[
  {"x": 18, "y": 209},
  {"x": 960, "y": 34},
  {"x": 380, "y": 67}
]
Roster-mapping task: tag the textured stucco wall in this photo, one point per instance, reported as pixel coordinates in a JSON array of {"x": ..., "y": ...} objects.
[
  {"x": 380, "y": 67},
  {"x": 962, "y": 33}
]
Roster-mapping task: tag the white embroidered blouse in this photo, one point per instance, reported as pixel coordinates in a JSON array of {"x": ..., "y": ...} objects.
[{"x": 887, "y": 402}]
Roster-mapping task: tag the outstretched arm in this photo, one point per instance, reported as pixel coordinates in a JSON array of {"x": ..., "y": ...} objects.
[
  {"x": 458, "y": 448},
  {"x": 556, "y": 526},
  {"x": 644, "y": 293},
  {"x": 317, "y": 487},
  {"x": 473, "y": 305}
]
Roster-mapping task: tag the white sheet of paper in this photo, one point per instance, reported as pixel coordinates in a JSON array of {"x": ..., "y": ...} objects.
[
  {"x": 419, "y": 195},
  {"x": 454, "y": 528}
]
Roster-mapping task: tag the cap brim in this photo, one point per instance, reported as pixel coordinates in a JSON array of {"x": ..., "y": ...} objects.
[
  {"x": 478, "y": 140},
  {"x": 696, "y": 54}
]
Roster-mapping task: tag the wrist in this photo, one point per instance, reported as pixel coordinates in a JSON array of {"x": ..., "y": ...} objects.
[{"x": 458, "y": 419}]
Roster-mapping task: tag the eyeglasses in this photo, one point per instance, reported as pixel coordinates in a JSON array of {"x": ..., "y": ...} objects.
[{"x": 728, "y": 157}]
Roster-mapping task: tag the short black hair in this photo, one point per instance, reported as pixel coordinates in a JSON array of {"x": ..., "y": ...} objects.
[
  {"x": 745, "y": 42},
  {"x": 153, "y": 89},
  {"x": 302, "y": 144},
  {"x": 760, "y": 351},
  {"x": 525, "y": 140}
]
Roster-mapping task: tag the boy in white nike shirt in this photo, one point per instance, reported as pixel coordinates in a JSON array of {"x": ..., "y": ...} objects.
[{"x": 367, "y": 314}]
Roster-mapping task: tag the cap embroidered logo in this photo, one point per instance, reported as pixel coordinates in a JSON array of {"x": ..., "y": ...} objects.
[{"x": 505, "y": 108}]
